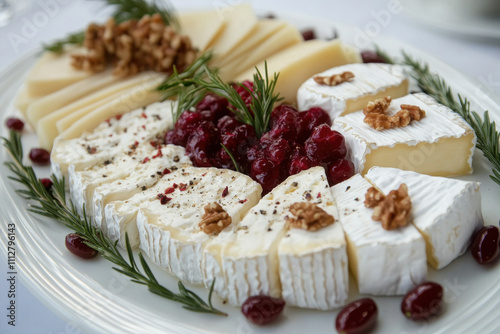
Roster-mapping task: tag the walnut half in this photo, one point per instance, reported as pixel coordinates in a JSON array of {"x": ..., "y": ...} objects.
[
  {"x": 335, "y": 79},
  {"x": 215, "y": 219},
  {"x": 376, "y": 117},
  {"x": 392, "y": 210},
  {"x": 309, "y": 216}
]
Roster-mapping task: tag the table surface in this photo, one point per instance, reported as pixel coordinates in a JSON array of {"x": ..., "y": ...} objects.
[{"x": 43, "y": 21}]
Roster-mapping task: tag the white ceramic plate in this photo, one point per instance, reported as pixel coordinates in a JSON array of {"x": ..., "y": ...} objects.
[{"x": 98, "y": 299}]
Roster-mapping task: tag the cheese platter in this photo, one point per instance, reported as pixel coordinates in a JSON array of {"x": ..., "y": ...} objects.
[{"x": 83, "y": 290}]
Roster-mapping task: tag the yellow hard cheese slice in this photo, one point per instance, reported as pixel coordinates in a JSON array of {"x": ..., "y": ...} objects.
[
  {"x": 23, "y": 100},
  {"x": 138, "y": 97},
  {"x": 284, "y": 37},
  {"x": 51, "y": 125},
  {"x": 52, "y": 72},
  {"x": 299, "y": 62},
  {"x": 67, "y": 95},
  {"x": 202, "y": 27}
]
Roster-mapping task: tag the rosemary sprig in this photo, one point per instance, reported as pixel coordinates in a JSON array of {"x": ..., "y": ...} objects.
[
  {"x": 487, "y": 134},
  {"x": 235, "y": 163},
  {"x": 53, "y": 204},
  {"x": 124, "y": 10}
]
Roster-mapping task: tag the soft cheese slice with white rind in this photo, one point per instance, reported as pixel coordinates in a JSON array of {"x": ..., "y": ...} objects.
[
  {"x": 383, "y": 262},
  {"x": 440, "y": 144},
  {"x": 83, "y": 183},
  {"x": 370, "y": 82},
  {"x": 446, "y": 211},
  {"x": 249, "y": 259},
  {"x": 111, "y": 138},
  {"x": 313, "y": 264},
  {"x": 142, "y": 176},
  {"x": 170, "y": 234}
]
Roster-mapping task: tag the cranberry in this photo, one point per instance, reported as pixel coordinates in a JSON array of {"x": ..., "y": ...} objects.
[
  {"x": 14, "y": 123},
  {"x": 484, "y": 247},
  {"x": 245, "y": 95},
  {"x": 227, "y": 124},
  {"x": 202, "y": 144},
  {"x": 262, "y": 310},
  {"x": 212, "y": 107},
  {"x": 357, "y": 317},
  {"x": 279, "y": 111},
  {"x": 173, "y": 137},
  {"x": 47, "y": 183},
  {"x": 371, "y": 57},
  {"x": 423, "y": 302},
  {"x": 266, "y": 173},
  {"x": 255, "y": 152},
  {"x": 308, "y": 34},
  {"x": 223, "y": 160},
  {"x": 278, "y": 151},
  {"x": 325, "y": 145},
  {"x": 311, "y": 119},
  {"x": 339, "y": 171},
  {"x": 76, "y": 245},
  {"x": 298, "y": 164},
  {"x": 186, "y": 123},
  {"x": 286, "y": 126},
  {"x": 39, "y": 156}
]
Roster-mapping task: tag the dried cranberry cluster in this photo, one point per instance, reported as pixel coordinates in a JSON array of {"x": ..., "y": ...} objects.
[{"x": 295, "y": 141}]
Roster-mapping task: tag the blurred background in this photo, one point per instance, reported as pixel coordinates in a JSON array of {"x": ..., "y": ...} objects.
[{"x": 463, "y": 33}]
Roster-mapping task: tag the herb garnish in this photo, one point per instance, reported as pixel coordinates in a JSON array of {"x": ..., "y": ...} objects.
[
  {"x": 488, "y": 137},
  {"x": 53, "y": 204},
  {"x": 124, "y": 10}
]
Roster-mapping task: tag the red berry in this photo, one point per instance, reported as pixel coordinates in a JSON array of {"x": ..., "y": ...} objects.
[
  {"x": 484, "y": 246},
  {"x": 298, "y": 164},
  {"x": 47, "y": 183},
  {"x": 278, "y": 151},
  {"x": 227, "y": 124},
  {"x": 311, "y": 119},
  {"x": 14, "y": 123},
  {"x": 308, "y": 34},
  {"x": 76, "y": 245},
  {"x": 339, "y": 171},
  {"x": 357, "y": 317},
  {"x": 266, "y": 173},
  {"x": 262, "y": 310},
  {"x": 212, "y": 107},
  {"x": 423, "y": 302},
  {"x": 203, "y": 144},
  {"x": 39, "y": 156},
  {"x": 371, "y": 57},
  {"x": 245, "y": 95},
  {"x": 279, "y": 111},
  {"x": 325, "y": 145}
]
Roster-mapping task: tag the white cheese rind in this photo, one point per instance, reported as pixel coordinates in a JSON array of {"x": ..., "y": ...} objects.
[
  {"x": 140, "y": 178},
  {"x": 446, "y": 211},
  {"x": 170, "y": 234},
  {"x": 383, "y": 262},
  {"x": 313, "y": 264},
  {"x": 111, "y": 138},
  {"x": 439, "y": 123},
  {"x": 369, "y": 79}
]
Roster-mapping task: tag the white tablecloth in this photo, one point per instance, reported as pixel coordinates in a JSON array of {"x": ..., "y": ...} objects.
[{"x": 46, "y": 20}]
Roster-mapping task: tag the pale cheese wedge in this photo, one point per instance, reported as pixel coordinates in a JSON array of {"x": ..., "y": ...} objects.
[
  {"x": 53, "y": 71},
  {"x": 240, "y": 22},
  {"x": 279, "y": 40},
  {"x": 202, "y": 27},
  {"x": 298, "y": 63},
  {"x": 142, "y": 176},
  {"x": 370, "y": 82},
  {"x": 440, "y": 144},
  {"x": 313, "y": 264},
  {"x": 170, "y": 233},
  {"x": 47, "y": 128},
  {"x": 111, "y": 138},
  {"x": 24, "y": 99},
  {"x": 263, "y": 30},
  {"x": 68, "y": 94},
  {"x": 383, "y": 262},
  {"x": 447, "y": 212},
  {"x": 140, "y": 96}
]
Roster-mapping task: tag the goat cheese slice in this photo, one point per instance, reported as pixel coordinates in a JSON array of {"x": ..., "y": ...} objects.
[
  {"x": 447, "y": 212},
  {"x": 440, "y": 144},
  {"x": 370, "y": 82},
  {"x": 111, "y": 138},
  {"x": 383, "y": 262},
  {"x": 313, "y": 264},
  {"x": 169, "y": 231},
  {"x": 142, "y": 175}
]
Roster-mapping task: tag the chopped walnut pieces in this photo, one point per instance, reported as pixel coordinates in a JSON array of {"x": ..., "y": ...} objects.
[
  {"x": 375, "y": 114},
  {"x": 335, "y": 79},
  {"x": 309, "y": 216},
  {"x": 392, "y": 210},
  {"x": 134, "y": 46},
  {"x": 215, "y": 219}
]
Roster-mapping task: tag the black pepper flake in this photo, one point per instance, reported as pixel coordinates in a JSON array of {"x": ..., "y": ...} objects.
[
  {"x": 152, "y": 175},
  {"x": 275, "y": 212},
  {"x": 308, "y": 196},
  {"x": 348, "y": 187},
  {"x": 143, "y": 188},
  {"x": 356, "y": 199},
  {"x": 269, "y": 229},
  {"x": 191, "y": 182},
  {"x": 91, "y": 149},
  {"x": 104, "y": 175},
  {"x": 263, "y": 212},
  {"x": 159, "y": 173},
  {"x": 107, "y": 162},
  {"x": 176, "y": 158},
  {"x": 295, "y": 184}
]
